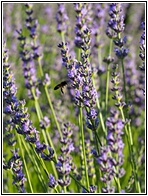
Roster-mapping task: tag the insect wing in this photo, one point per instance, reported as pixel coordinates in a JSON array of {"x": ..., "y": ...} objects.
[{"x": 57, "y": 87}]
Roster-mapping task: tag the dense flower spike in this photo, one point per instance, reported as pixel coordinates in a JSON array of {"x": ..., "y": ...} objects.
[
  {"x": 11, "y": 107},
  {"x": 62, "y": 19},
  {"x": 115, "y": 28},
  {"x": 90, "y": 163},
  {"x": 28, "y": 65},
  {"x": 31, "y": 23},
  {"x": 98, "y": 22},
  {"x": 64, "y": 165},
  {"x": 82, "y": 19},
  {"x": 52, "y": 182},
  {"x": 30, "y": 52},
  {"x": 116, "y": 88},
  {"x": 111, "y": 156},
  {"x": 116, "y": 22}
]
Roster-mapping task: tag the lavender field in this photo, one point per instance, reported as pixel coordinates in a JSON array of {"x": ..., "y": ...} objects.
[{"x": 74, "y": 98}]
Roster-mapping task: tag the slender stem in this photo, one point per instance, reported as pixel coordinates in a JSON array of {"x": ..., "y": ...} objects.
[
  {"x": 130, "y": 144},
  {"x": 53, "y": 113},
  {"x": 34, "y": 162},
  {"x": 107, "y": 87},
  {"x": 78, "y": 182},
  {"x": 83, "y": 147},
  {"x": 40, "y": 68},
  {"x": 118, "y": 184},
  {"x": 48, "y": 97},
  {"x": 100, "y": 113},
  {"x": 124, "y": 81},
  {"x": 39, "y": 61},
  {"x": 65, "y": 189},
  {"x": 107, "y": 77},
  {"x": 100, "y": 81},
  {"x": 40, "y": 115},
  {"x": 63, "y": 37},
  {"x": 111, "y": 47},
  {"x": 51, "y": 144},
  {"x": 56, "y": 190}
]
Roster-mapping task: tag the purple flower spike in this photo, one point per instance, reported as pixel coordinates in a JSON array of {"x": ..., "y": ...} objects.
[
  {"x": 111, "y": 156},
  {"x": 52, "y": 182}
]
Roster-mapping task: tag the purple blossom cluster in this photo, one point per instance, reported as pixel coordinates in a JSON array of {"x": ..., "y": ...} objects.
[
  {"x": 29, "y": 52},
  {"x": 98, "y": 22},
  {"x": 79, "y": 74},
  {"x": 115, "y": 28},
  {"x": 52, "y": 182},
  {"x": 99, "y": 19},
  {"x": 116, "y": 88},
  {"x": 10, "y": 107},
  {"x": 62, "y": 19},
  {"x": 65, "y": 163},
  {"x": 83, "y": 16},
  {"x": 111, "y": 156},
  {"x": 16, "y": 165},
  {"x": 31, "y": 23},
  {"x": 28, "y": 65},
  {"x": 116, "y": 22},
  {"x": 90, "y": 163}
]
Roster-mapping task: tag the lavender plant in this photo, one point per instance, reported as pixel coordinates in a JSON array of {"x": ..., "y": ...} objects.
[
  {"x": 14, "y": 163},
  {"x": 80, "y": 127}
]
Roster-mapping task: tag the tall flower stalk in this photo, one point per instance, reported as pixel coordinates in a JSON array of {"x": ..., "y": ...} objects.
[
  {"x": 121, "y": 105},
  {"x": 111, "y": 156},
  {"x": 28, "y": 56},
  {"x": 113, "y": 31}
]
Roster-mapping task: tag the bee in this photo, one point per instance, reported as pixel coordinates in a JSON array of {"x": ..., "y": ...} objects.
[{"x": 61, "y": 85}]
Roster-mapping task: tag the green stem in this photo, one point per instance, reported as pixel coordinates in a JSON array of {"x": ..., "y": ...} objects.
[
  {"x": 130, "y": 144},
  {"x": 107, "y": 87},
  {"x": 63, "y": 37},
  {"x": 78, "y": 182},
  {"x": 100, "y": 113},
  {"x": 56, "y": 190},
  {"x": 65, "y": 189},
  {"x": 39, "y": 62},
  {"x": 101, "y": 82},
  {"x": 40, "y": 68},
  {"x": 53, "y": 113},
  {"x": 124, "y": 81},
  {"x": 108, "y": 75},
  {"x": 32, "y": 159},
  {"x": 118, "y": 184},
  {"x": 45, "y": 135},
  {"x": 51, "y": 144},
  {"x": 83, "y": 147}
]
